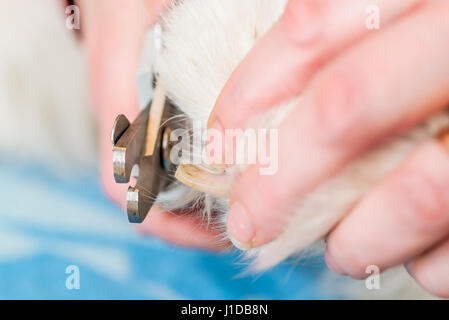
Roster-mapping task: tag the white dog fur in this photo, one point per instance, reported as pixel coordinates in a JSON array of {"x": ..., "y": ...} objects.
[
  {"x": 43, "y": 97},
  {"x": 202, "y": 42}
]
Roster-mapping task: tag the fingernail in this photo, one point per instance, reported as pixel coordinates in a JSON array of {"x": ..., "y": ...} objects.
[
  {"x": 332, "y": 263},
  {"x": 240, "y": 229},
  {"x": 214, "y": 143}
]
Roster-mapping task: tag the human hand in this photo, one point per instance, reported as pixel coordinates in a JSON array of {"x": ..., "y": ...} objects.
[
  {"x": 358, "y": 87},
  {"x": 113, "y": 32}
]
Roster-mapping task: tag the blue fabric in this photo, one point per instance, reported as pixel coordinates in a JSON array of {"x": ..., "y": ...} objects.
[{"x": 48, "y": 223}]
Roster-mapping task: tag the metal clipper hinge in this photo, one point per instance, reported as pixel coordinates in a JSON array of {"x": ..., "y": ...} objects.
[{"x": 141, "y": 143}]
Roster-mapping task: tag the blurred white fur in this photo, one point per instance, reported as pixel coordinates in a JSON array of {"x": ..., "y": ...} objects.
[
  {"x": 43, "y": 100},
  {"x": 202, "y": 42}
]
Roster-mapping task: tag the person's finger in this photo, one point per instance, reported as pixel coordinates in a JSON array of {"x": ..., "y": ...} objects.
[
  {"x": 399, "y": 219},
  {"x": 378, "y": 88},
  {"x": 430, "y": 270},
  {"x": 113, "y": 32},
  {"x": 182, "y": 231},
  {"x": 309, "y": 34}
]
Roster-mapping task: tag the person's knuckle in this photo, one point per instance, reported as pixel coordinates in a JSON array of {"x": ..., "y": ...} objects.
[
  {"x": 427, "y": 202},
  {"x": 338, "y": 113}
]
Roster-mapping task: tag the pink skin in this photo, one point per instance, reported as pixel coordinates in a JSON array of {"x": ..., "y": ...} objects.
[
  {"x": 370, "y": 85},
  {"x": 113, "y": 32}
]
